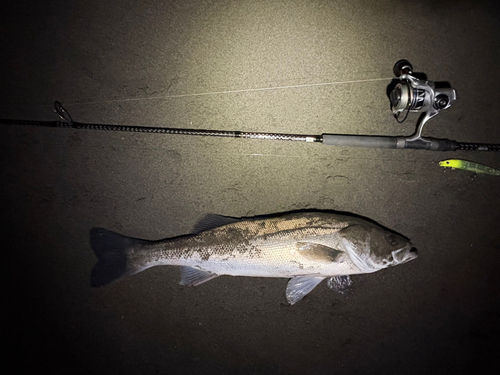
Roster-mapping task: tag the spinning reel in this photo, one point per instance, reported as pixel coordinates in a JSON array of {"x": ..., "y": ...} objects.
[{"x": 412, "y": 94}]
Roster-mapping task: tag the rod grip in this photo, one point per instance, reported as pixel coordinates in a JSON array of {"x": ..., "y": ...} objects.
[{"x": 361, "y": 141}]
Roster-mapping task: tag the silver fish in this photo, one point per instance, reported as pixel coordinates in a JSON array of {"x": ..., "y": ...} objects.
[{"x": 306, "y": 247}]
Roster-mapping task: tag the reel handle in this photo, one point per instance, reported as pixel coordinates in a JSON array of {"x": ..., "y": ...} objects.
[{"x": 402, "y": 67}]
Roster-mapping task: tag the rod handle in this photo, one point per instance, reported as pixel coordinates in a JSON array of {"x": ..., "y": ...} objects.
[{"x": 361, "y": 141}]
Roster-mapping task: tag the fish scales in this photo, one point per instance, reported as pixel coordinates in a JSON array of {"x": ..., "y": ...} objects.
[{"x": 249, "y": 248}]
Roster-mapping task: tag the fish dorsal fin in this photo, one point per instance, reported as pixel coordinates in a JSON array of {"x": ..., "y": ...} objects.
[
  {"x": 300, "y": 286},
  {"x": 340, "y": 283},
  {"x": 211, "y": 221},
  {"x": 193, "y": 276},
  {"x": 317, "y": 252}
]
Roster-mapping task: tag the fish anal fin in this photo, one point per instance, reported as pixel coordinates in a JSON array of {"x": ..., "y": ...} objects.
[{"x": 193, "y": 276}]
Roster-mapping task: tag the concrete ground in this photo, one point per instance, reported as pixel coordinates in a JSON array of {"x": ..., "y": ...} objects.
[{"x": 274, "y": 66}]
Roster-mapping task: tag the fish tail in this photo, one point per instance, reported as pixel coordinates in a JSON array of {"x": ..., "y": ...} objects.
[{"x": 111, "y": 250}]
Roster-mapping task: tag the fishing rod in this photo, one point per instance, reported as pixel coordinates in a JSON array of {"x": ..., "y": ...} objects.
[{"x": 408, "y": 93}]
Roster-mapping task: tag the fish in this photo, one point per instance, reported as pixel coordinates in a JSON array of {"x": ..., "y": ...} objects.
[
  {"x": 306, "y": 247},
  {"x": 469, "y": 166}
]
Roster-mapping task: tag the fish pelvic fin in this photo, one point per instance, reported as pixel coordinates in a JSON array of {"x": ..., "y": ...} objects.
[
  {"x": 111, "y": 250},
  {"x": 300, "y": 286}
]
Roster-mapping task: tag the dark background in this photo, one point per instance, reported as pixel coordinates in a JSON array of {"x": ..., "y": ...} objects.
[{"x": 204, "y": 64}]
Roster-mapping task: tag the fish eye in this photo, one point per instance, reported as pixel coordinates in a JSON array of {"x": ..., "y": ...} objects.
[{"x": 392, "y": 240}]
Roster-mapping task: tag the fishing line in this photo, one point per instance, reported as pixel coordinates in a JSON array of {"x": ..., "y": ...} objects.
[
  {"x": 175, "y": 96},
  {"x": 408, "y": 94}
]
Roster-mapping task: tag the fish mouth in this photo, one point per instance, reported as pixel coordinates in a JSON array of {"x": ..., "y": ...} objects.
[{"x": 405, "y": 254}]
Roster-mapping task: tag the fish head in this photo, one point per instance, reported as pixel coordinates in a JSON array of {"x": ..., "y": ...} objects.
[{"x": 372, "y": 248}]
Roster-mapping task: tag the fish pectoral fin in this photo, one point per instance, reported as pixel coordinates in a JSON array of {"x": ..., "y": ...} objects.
[
  {"x": 317, "y": 252},
  {"x": 339, "y": 283},
  {"x": 193, "y": 276},
  {"x": 300, "y": 286}
]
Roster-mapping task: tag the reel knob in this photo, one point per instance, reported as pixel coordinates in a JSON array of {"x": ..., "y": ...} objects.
[
  {"x": 441, "y": 101},
  {"x": 402, "y": 67}
]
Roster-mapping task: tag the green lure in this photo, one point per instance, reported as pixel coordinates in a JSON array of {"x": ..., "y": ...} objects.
[{"x": 469, "y": 166}]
